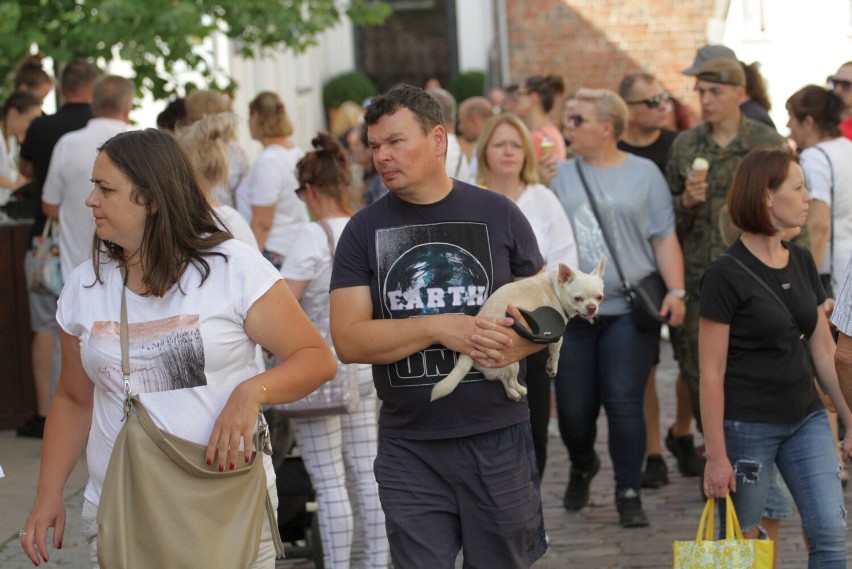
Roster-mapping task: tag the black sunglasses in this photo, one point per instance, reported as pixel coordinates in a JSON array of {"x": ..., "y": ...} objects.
[
  {"x": 576, "y": 121},
  {"x": 653, "y": 102},
  {"x": 300, "y": 192},
  {"x": 834, "y": 83}
]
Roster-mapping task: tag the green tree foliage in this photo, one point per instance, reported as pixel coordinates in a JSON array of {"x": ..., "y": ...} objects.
[{"x": 160, "y": 38}]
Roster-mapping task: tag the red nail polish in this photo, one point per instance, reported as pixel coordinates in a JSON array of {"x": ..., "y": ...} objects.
[
  {"x": 248, "y": 458},
  {"x": 221, "y": 468},
  {"x": 233, "y": 466},
  {"x": 209, "y": 461},
  {"x": 59, "y": 545}
]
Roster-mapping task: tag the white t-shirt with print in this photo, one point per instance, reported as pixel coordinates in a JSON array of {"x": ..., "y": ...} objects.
[
  {"x": 188, "y": 349},
  {"x": 272, "y": 181}
]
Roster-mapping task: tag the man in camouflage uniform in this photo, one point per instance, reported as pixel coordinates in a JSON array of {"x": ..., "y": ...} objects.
[{"x": 723, "y": 140}]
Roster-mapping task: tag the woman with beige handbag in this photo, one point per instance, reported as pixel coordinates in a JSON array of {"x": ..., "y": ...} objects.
[{"x": 168, "y": 314}]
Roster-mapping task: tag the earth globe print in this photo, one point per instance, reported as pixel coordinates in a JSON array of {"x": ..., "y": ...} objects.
[{"x": 435, "y": 278}]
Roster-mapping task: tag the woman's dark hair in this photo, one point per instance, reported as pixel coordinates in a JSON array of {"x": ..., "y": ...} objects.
[
  {"x": 173, "y": 115},
  {"x": 21, "y": 101},
  {"x": 181, "y": 228},
  {"x": 763, "y": 169},
  {"x": 822, "y": 105},
  {"x": 271, "y": 115},
  {"x": 755, "y": 85},
  {"x": 548, "y": 88},
  {"x": 31, "y": 75},
  {"x": 326, "y": 169}
]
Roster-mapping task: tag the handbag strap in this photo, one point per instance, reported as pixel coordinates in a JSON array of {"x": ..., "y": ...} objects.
[
  {"x": 706, "y": 524},
  {"x": 329, "y": 235},
  {"x": 830, "y": 214},
  {"x": 762, "y": 283},
  {"x": 602, "y": 225}
]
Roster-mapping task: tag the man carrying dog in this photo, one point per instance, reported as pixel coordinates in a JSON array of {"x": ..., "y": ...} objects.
[{"x": 410, "y": 273}]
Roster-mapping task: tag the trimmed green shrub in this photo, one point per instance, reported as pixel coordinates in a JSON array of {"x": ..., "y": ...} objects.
[
  {"x": 350, "y": 86},
  {"x": 467, "y": 84}
]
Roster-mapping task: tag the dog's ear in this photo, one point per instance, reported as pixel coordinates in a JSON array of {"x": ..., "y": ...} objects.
[
  {"x": 566, "y": 275},
  {"x": 599, "y": 269}
]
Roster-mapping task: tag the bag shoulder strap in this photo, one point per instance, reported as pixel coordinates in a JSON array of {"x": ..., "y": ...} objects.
[
  {"x": 601, "y": 224},
  {"x": 762, "y": 283},
  {"x": 329, "y": 235},
  {"x": 830, "y": 213}
]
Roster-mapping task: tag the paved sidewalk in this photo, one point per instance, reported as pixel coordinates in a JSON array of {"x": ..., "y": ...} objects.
[{"x": 590, "y": 539}]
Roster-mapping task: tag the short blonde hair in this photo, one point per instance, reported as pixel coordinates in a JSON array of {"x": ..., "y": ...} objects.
[
  {"x": 203, "y": 102},
  {"x": 609, "y": 107},
  {"x": 529, "y": 173}
]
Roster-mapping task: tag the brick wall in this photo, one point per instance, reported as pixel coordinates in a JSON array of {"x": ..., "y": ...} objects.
[{"x": 594, "y": 43}]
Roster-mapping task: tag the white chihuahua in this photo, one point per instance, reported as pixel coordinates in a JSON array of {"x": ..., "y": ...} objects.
[{"x": 570, "y": 291}]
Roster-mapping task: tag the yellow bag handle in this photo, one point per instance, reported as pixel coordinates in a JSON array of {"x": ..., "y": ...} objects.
[{"x": 732, "y": 523}]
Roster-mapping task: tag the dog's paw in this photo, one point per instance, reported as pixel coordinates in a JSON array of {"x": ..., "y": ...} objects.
[
  {"x": 512, "y": 394},
  {"x": 551, "y": 368}
]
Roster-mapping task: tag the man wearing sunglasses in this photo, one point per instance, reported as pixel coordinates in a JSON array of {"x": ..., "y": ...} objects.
[
  {"x": 648, "y": 107},
  {"x": 723, "y": 140},
  {"x": 841, "y": 84}
]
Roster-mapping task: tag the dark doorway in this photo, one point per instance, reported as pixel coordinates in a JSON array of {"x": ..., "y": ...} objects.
[{"x": 416, "y": 43}]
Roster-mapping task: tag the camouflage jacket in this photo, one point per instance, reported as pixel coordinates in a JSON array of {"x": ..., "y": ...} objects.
[{"x": 698, "y": 227}]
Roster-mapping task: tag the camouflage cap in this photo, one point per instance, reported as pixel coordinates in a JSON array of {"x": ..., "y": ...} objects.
[
  {"x": 708, "y": 52},
  {"x": 722, "y": 71}
]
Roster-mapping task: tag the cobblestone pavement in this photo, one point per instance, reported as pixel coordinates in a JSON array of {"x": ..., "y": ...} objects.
[{"x": 590, "y": 539}]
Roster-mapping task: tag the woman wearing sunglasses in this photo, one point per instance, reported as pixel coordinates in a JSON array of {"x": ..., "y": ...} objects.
[
  {"x": 637, "y": 216},
  {"x": 337, "y": 449}
]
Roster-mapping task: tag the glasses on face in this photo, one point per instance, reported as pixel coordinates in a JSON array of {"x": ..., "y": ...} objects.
[
  {"x": 837, "y": 83},
  {"x": 653, "y": 102},
  {"x": 300, "y": 191},
  {"x": 576, "y": 121}
]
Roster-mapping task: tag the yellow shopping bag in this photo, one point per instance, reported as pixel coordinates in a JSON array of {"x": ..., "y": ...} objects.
[{"x": 733, "y": 552}]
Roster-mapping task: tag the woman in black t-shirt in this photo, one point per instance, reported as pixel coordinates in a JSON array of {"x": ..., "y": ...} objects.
[{"x": 758, "y": 401}]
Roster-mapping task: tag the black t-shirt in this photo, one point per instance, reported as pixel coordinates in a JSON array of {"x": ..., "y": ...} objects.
[
  {"x": 42, "y": 136},
  {"x": 657, "y": 152},
  {"x": 441, "y": 258},
  {"x": 769, "y": 377}
]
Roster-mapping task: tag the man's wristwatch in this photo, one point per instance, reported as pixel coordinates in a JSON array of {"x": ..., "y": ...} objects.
[{"x": 677, "y": 293}]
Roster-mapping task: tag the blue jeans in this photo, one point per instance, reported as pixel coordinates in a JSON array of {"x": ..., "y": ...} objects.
[
  {"x": 804, "y": 454},
  {"x": 605, "y": 364}
]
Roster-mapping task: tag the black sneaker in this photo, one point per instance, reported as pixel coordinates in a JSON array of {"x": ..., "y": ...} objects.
[
  {"x": 630, "y": 512},
  {"x": 656, "y": 473},
  {"x": 34, "y": 428},
  {"x": 683, "y": 450},
  {"x": 577, "y": 493}
]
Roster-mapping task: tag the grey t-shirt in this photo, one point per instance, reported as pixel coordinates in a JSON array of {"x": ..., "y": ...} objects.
[{"x": 636, "y": 206}]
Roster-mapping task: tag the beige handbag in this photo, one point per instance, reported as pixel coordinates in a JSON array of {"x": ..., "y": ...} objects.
[{"x": 163, "y": 507}]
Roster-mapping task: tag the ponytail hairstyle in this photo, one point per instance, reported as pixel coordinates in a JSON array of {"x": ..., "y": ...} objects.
[
  {"x": 547, "y": 87},
  {"x": 271, "y": 115},
  {"x": 205, "y": 141},
  {"x": 326, "y": 168},
  {"x": 822, "y": 105}
]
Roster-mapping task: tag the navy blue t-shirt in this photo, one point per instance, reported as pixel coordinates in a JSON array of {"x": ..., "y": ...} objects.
[{"x": 441, "y": 258}]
